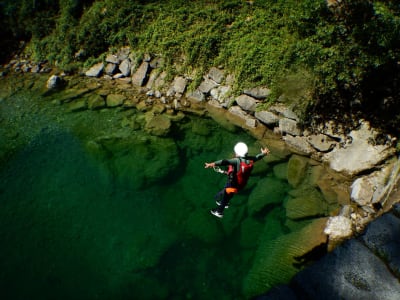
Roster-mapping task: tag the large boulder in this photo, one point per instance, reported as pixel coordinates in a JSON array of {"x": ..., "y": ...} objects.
[
  {"x": 207, "y": 85},
  {"x": 125, "y": 67},
  {"x": 247, "y": 103},
  {"x": 382, "y": 237},
  {"x": 139, "y": 78},
  {"x": 258, "y": 92},
  {"x": 95, "y": 71},
  {"x": 351, "y": 271},
  {"x": 289, "y": 126},
  {"x": 54, "y": 82},
  {"x": 216, "y": 74},
  {"x": 367, "y": 189},
  {"x": 360, "y": 155},
  {"x": 267, "y": 117}
]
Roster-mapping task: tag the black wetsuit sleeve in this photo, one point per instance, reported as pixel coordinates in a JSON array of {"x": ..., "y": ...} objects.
[
  {"x": 226, "y": 162},
  {"x": 256, "y": 158}
]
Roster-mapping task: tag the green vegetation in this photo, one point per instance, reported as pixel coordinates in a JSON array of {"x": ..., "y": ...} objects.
[{"x": 331, "y": 61}]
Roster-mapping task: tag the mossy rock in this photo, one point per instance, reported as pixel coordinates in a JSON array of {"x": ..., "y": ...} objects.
[
  {"x": 158, "y": 125},
  {"x": 96, "y": 102},
  {"x": 275, "y": 260},
  {"x": 296, "y": 171},
  {"x": 281, "y": 171},
  {"x": 308, "y": 204},
  {"x": 268, "y": 191}
]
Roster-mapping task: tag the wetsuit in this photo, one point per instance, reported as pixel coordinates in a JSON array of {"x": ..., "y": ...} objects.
[{"x": 232, "y": 186}]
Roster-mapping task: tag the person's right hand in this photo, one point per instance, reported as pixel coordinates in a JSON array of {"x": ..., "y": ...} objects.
[{"x": 209, "y": 165}]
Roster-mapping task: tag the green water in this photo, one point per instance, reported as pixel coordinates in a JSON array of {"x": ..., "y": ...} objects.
[{"x": 95, "y": 209}]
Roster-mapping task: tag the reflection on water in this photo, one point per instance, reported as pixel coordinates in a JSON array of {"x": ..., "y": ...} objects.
[{"x": 93, "y": 209}]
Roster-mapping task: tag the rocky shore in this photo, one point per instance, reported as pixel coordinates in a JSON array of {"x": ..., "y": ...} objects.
[{"x": 351, "y": 171}]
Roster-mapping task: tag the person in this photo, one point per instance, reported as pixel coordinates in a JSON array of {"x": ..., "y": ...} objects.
[{"x": 239, "y": 170}]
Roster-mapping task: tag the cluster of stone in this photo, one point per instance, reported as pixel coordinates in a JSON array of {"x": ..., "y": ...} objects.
[
  {"x": 352, "y": 154},
  {"x": 366, "y": 267},
  {"x": 22, "y": 63}
]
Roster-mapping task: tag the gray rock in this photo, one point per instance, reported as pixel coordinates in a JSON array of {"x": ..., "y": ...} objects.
[
  {"x": 156, "y": 62},
  {"x": 220, "y": 93},
  {"x": 367, "y": 189},
  {"x": 118, "y": 76},
  {"x": 258, "y": 92},
  {"x": 95, "y": 71},
  {"x": 179, "y": 85},
  {"x": 140, "y": 76},
  {"x": 125, "y": 67},
  {"x": 238, "y": 111},
  {"x": 53, "y": 82},
  {"x": 359, "y": 155},
  {"x": 351, "y": 271},
  {"x": 35, "y": 69},
  {"x": 111, "y": 58},
  {"x": 283, "y": 110},
  {"x": 339, "y": 228},
  {"x": 196, "y": 96},
  {"x": 289, "y": 126},
  {"x": 247, "y": 103},
  {"x": 154, "y": 74},
  {"x": 267, "y": 117},
  {"x": 321, "y": 142},
  {"x": 207, "y": 85},
  {"x": 382, "y": 237},
  {"x": 299, "y": 144},
  {"x": 216, "y": 74},
  {"x": 110, "y": 69}
]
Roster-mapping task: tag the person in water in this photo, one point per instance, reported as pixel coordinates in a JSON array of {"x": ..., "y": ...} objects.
[{"x": 239, "y": 170}]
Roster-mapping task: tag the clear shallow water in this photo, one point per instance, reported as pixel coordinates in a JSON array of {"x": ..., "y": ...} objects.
[{"x": 92, "y": 209}]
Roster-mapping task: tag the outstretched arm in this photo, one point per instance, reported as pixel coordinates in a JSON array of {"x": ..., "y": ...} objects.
[
  {"x": 209, "y": 165},
  {"x": 265, "y": 151}
]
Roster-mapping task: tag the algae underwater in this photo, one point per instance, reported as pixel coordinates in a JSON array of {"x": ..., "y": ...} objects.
[{"x": 92, "y": 206}]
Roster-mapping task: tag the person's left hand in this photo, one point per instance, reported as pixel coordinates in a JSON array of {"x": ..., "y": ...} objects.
[{"x": 265, "y": 151}]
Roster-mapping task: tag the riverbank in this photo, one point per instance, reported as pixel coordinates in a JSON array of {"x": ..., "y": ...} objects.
[{"x": 351, "y": 189}]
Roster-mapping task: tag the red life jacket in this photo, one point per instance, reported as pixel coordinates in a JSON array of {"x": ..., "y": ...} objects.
[{"x": 243, "y": 174}]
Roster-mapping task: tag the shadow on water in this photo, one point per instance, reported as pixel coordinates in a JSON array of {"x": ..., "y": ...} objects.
[{"x": 122, "y": 216}]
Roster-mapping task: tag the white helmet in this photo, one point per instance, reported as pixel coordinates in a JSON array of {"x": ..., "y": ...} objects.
[{"x": 241, "y": 149}]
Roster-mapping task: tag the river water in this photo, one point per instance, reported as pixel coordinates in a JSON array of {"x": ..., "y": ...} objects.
[{"x": 93, "y": 207}]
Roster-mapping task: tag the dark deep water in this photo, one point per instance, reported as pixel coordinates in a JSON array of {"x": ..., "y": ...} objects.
[{"x": 92, "y": 208}]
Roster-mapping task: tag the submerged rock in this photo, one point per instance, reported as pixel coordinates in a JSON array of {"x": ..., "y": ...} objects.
[
  {"x": 268, "y": 191},
  {"x": 275, "y": 261}
]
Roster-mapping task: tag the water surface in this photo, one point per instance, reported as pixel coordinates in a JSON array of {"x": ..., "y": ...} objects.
[{"x": 93, "y": 208}]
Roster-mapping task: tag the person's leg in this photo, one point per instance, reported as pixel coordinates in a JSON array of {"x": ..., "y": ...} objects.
[{"x": 228, "y": 195}]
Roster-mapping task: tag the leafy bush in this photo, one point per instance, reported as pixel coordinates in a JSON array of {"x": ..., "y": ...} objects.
[{"x": 323, "y": 59}]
